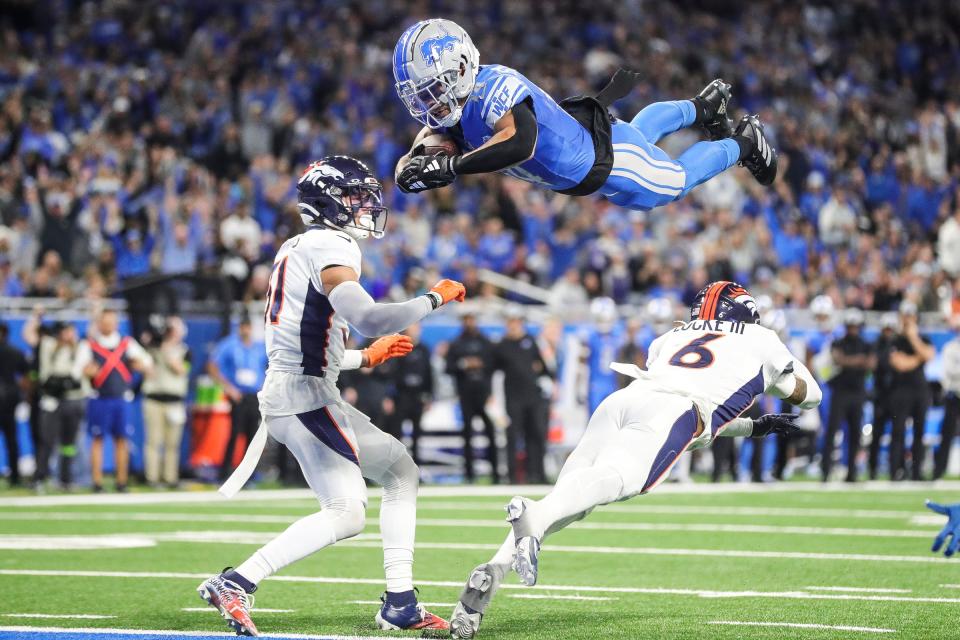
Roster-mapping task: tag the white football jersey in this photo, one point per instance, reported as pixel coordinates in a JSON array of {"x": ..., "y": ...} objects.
[
  {"x": 305, "y": 338},
  {"x": 721, "y": 365}
]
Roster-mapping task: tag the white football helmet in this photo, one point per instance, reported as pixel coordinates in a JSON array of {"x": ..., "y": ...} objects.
[{"x": 435, "y": 66}]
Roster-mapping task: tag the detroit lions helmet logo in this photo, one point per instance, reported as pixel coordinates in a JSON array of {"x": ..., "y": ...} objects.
[{"x": 432, "y": 48}]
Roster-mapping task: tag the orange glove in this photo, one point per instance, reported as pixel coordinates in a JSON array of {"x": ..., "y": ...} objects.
[
  {"x": 449, "y": 290},
  {"x": 395, "y": 346}
]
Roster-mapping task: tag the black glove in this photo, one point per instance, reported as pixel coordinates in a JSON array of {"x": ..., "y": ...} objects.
[
  {"x": 779, "y": 423},
  {"x": 426, "y": 172}
]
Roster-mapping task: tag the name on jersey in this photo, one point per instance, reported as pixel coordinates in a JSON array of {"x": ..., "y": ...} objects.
[{"x": 712, "y": 325}]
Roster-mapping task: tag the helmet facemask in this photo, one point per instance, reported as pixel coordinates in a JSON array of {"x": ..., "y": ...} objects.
[
  {"x": 433, "y": 101},
  {"x": 360, "y": 210}
]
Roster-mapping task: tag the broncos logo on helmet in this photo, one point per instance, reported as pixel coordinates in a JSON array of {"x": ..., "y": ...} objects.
[
  {"x": 341, "y": 192},
  {"x": 725, "y": 300}
]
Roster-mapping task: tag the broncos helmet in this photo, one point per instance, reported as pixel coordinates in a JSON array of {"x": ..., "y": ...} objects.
[
  {"x": 435, "y": 66},
  {"x": 725, "y": 300},
  {"x": 341, "y": 192}
]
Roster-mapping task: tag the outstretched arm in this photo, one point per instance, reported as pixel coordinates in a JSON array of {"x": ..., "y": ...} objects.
[
  {"x": 514, "y": 141},
  {"x": 354, "y": 304}
]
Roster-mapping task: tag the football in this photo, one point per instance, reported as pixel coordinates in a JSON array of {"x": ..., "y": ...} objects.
[
  {"x": 430, "y": 146},
  {"x": 437, "y": 143}
]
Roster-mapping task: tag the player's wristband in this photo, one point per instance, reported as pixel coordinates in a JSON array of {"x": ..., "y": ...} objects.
[{"x": 436, "y": 300}]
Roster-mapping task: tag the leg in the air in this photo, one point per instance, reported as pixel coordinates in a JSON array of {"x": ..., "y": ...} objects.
[
  {"x": 662, "y": 118},
  {"x": 704, "y": 160},
  {"x": 654, "y": 433}
]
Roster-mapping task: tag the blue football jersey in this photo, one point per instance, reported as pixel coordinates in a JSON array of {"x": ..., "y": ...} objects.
[
  {"x": 603, "y": 379},
  {"x": 564, "y": 152}
]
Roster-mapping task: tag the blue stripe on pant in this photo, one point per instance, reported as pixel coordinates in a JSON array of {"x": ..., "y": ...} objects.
[
  {"x": 681, "y": 433},
  {"x": 322, "y": 425},
  {"x": 643, "y": 175}
]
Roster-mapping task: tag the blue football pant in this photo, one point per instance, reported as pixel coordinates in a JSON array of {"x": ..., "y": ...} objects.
[{"x": 643, "y": 175}]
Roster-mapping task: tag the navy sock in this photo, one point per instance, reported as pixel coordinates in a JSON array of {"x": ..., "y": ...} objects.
[
  {"x": 245, "y": 584},
  {"x": 401, "y": 598},
  {"x": 700, "y": 106}
]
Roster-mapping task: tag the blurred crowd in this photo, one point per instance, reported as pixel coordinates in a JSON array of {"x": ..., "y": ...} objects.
[{"x": 144, "y": 138}]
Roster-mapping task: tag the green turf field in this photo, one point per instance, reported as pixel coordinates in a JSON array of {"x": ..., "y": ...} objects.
[{"x": 680, "y": 563}]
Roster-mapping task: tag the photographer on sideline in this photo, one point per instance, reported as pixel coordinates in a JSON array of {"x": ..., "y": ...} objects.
[
  {"x": 164, "y": 406},
  {"x": 62, "y": 401}
]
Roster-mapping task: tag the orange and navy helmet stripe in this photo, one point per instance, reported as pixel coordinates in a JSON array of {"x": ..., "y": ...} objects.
[{"x": 708, "y": 308}]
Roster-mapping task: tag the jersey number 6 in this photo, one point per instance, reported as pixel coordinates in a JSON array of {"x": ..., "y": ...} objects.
[
  {"x": 695, "y": 355},
  {"x": 275, "y": 292}
]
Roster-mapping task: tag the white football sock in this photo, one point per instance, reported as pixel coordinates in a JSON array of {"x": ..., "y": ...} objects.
[
  {"x": 504, "y": 555},
  {"x": 398, "y": 522},
  {"x": 339, "y": 518}
]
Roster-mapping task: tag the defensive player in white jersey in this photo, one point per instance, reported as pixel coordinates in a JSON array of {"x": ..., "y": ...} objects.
[
  {"x": 700, "y": 377},
  {"x": 313, "y": 298}
]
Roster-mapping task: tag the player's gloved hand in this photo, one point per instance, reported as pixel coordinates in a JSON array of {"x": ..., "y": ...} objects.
[
  {"x": 449, "y": 290},
  {"x": 426, "y": 172},
  {"x": 382, "y": 349},
  {"x": 779, "y": 423},
  {"x": 952, "y": 528}
]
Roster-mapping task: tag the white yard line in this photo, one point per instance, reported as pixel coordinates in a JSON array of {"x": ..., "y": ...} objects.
[
  {"x": 858, "y": 589},
  {"x": 495, "y": 524},
  {"x": 538, "y": 596},
  {"x": 704, "y": 593},
  {"x": 257, "y": 610},
  {"x": 641, "y": 507},
  {"x": 426, "y": 604},
  {"x": 57, "y": 616},
  {"x": 373, "y": 542},
  {"x": 456, "y": 491},
  {"x": 800, "y": 625},
  {"x": 165, "y": 632}
]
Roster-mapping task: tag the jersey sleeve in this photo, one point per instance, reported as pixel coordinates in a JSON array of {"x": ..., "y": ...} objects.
[
  {"x": 505, "y": 91},
  {"x": 333, "y": 249},
  {"x": 653, "y": 353},
  {"x": 777, "y": 360}
]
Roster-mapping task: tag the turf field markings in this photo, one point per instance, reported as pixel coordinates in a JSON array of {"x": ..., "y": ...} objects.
[
  {"x": 540, "y": 596},
  {"x": 56, "y": 616},
  {"x": 84, "y": 632},
  {"x": 257, "y": 610},
  {"x": 499, "y": 524},
  {"x": 697, "y": 510},
  {"x": 801, "y": 625},
  {"x": 75, "y": 543},
  {"x": 697, "y": 527},
  {"x": 380, "y": 604},
  {"x": 270, "y": 496},
  {"x": 858, "y": 589},
  {"x": 703, "y": 593}
]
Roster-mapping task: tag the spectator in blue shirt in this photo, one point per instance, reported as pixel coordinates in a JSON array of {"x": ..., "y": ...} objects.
[
  {"x": 239, "y": 365},
  {"x": 132, "y": 250}
]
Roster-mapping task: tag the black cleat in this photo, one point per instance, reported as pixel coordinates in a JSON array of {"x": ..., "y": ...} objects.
[
  {"x": 762, "y": 159},
  {"x": 714, "y": 100}
]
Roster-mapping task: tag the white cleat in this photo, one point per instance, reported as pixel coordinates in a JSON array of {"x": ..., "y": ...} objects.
[
  {"x": 528, "y": 544},
  {"x": 525, "y": 564},
  {"x": 474, "y": 599}
]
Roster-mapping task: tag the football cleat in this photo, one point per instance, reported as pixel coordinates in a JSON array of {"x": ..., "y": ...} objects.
[
  {"x": 762, "y": 159},
  {"x": 714, "y": 99},
  {"x": 474, "y": 599},
  {"x": 407, "y": 618},
  {"x": 528, "y": 545},
  {"x": 233, "y": 603}
]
